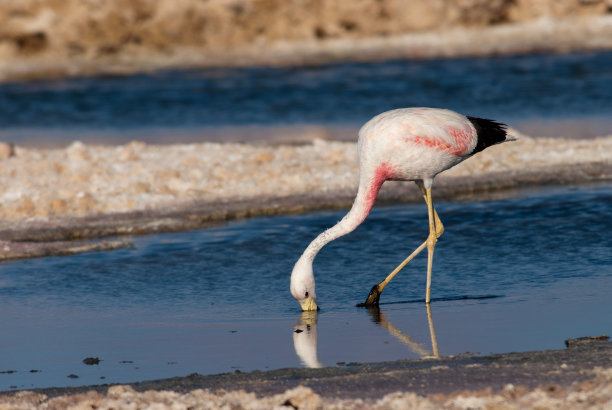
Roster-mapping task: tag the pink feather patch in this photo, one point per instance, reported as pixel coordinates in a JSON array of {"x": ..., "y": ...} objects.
[
  {"x": 462, "y": 140},
  {"x": 383, "y": 172}
]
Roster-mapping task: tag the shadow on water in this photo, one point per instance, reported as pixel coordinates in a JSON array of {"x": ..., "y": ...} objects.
[
  {"x": 517, "y": 274},
  {"x": 444, "y": 299}
]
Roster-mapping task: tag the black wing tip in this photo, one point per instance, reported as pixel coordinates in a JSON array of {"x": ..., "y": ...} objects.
[
  {"x": 486, "y": 123},
  {"x": 489, "y": 132}
]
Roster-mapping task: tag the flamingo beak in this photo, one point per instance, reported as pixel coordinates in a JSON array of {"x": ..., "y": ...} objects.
[{"x": 309, "y": 304}]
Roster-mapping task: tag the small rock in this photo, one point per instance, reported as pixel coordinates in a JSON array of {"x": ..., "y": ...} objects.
[
  {"x": 57, "y": 206},
  {"x": 6, "y": 150},
  {"x": 127, "y": 154},
  {"x": 26, "y": 207},
  {"x": 91, "y": 361},
  {"x": 263, "y": 157},
  {"x": 131, "y": 151},
  {"x": 83, "y": 202},
  {"x": 77, "y": 151},
  {"x": 118, "y": 391},
  {"x": 583, "y": 341}
]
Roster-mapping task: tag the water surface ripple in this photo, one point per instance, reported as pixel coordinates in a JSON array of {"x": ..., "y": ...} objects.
[{"x": 509, "y": 275}]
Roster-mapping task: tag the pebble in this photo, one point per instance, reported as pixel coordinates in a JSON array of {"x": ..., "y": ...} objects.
[{"x": 6, "y": 151}]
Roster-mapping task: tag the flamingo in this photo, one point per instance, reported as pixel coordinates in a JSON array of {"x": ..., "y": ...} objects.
[{"x": 406, "y": 144}]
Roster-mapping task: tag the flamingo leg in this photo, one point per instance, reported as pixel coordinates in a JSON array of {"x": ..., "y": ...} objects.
[
  {"x": 432, "y": 332},
  {"x": 435, "y": 231},
  {"x": 431, "y": 242},
  {"x": 439, "y": 228}
]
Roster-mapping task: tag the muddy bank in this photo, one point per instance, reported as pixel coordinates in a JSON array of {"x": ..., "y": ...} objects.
[
  {"x": 71, "y": 37},
  {"x": 577, "y": 377}
]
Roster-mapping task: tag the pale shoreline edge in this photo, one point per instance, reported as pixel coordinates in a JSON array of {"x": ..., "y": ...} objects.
[{"x": 69, "y": 235}]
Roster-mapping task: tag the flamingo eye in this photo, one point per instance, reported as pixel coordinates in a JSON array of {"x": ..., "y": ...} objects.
[{"x": 306, "y": 295}]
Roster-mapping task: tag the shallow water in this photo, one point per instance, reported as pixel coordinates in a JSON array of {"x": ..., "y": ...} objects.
[
  {"x": 181, "y": 106},
  {"x": 510, "y": 275}
]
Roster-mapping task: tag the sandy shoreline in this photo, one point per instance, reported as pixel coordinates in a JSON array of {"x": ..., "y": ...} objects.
[
  {"x": 87, "y": 192},
  {"x": 574, "y": 378}
]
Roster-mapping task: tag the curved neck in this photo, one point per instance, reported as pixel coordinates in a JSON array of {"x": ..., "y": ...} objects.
[{"x": 366, "y": 195}]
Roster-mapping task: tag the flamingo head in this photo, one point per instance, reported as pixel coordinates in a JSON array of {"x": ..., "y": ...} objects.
[{"x": 303, "y": 285}]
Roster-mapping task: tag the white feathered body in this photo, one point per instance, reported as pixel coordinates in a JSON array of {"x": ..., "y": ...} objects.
[
  {"x": 409, "y": 144},
  {"x": 414, "y": 143}
]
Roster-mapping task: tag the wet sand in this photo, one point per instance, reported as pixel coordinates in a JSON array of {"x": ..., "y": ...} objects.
[{"x": 574, "y": 378}]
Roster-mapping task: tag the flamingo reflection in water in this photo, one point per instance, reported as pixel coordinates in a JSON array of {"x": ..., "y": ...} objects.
[
  {"x": 305, "y": 339},
  {"x": 305, "y": 336}
]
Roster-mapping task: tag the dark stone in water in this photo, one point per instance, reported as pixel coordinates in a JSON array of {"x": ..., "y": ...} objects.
[
  {"x": 73, "y": 376},
  {"x": 90, "y": 361},
  {"x": 587, "y": 340}
]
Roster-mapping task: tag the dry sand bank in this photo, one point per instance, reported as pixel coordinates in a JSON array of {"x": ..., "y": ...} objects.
[
  {"x": 575, "y": 378},
  {"x": 73, "y": 37},
  {"x": 86, "y": 191}
]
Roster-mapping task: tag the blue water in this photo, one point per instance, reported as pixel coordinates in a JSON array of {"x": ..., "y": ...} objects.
[
  {"x": 513, "y": 89},
  {"x": 517, "y": 274}
]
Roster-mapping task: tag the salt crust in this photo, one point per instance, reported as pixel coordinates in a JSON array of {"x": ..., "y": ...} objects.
[
  {"x": 591, "y": 394},
  {"x": 87, "y": 180}
]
